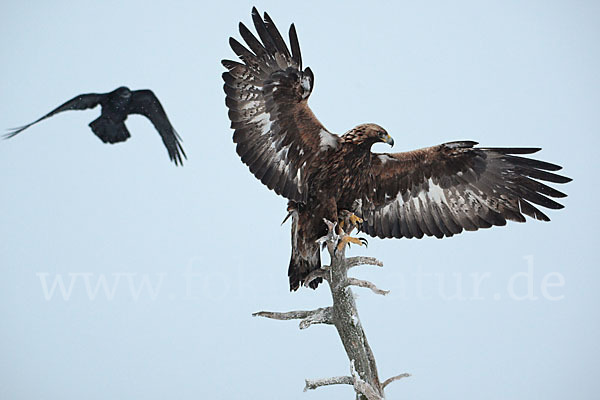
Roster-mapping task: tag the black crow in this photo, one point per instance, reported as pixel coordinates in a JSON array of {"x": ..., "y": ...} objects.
[{"x": 116, "y": 106}]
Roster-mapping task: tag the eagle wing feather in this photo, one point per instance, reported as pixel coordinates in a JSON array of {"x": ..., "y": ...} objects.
[
  {"x": 442, "y": 190},
  {"x": 276, "y": 133}
]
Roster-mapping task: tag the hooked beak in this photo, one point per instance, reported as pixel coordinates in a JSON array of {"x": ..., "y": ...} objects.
[{"x": 389, "y": 140}]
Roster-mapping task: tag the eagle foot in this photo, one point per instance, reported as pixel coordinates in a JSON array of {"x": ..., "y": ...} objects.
[
  {"x": 349, "y": 221},
  {"x": 355, "y": 220},
  {"x": 346, "y": 240}
]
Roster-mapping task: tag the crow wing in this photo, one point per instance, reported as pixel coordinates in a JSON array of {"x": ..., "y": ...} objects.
[
  {"x": 144, "y": 102},
  {"x": 81, "y": 102},
  {"x": 276, "y": 133},
  {"x": 441, "y": 190}
]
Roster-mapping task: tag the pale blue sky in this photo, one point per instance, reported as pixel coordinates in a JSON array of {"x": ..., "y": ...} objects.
[{"x": 207, "y": 236}]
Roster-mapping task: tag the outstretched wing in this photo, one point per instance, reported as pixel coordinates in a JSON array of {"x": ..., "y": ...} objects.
[
  {"x": 81, "y": 102},
  {"x": 277, "y": 134},
  {"x": 144, "y": 102},
  {"x": 439, "y": 191}
]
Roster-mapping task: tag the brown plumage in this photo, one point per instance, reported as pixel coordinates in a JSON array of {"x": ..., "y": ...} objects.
[{"x": 437, "y": 191}]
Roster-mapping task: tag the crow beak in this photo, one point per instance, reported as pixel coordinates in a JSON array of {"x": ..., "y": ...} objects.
[{"x": 389, "y": 140}]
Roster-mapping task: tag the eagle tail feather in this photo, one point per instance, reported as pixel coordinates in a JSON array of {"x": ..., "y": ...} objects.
[
  {"x": 300, "y": 268},
  {"x": 306, "y": 253}
]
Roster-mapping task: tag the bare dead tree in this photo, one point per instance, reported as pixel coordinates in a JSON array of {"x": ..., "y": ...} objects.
[{"x": 344, "y": 316}]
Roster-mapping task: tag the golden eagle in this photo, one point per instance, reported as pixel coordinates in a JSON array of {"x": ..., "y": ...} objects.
[{"x": 436, "y": 191}]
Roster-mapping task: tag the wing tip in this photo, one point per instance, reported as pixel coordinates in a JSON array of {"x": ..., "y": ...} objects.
[
  {"x": 229, "y": 64},
  {"x": 12, "y": 132},
  {"x": 566, "y": 179},
  {"x": 9, "y": 135}
]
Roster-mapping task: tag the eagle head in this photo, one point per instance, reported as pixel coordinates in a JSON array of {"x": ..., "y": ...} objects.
[{"x": 367, "y": 134}]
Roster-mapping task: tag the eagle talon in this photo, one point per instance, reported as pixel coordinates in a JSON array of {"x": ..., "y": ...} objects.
[
  {"x": 348, "y": 221},
  {"x": 355, "y": 220},
  {"x": 346, "y": 240}
]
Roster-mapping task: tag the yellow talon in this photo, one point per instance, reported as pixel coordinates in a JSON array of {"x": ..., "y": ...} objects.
[
  {"x": 349, "y": 222},
  {"x": 355, "y": 220},
  {"x": 349, "y": 239}
]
